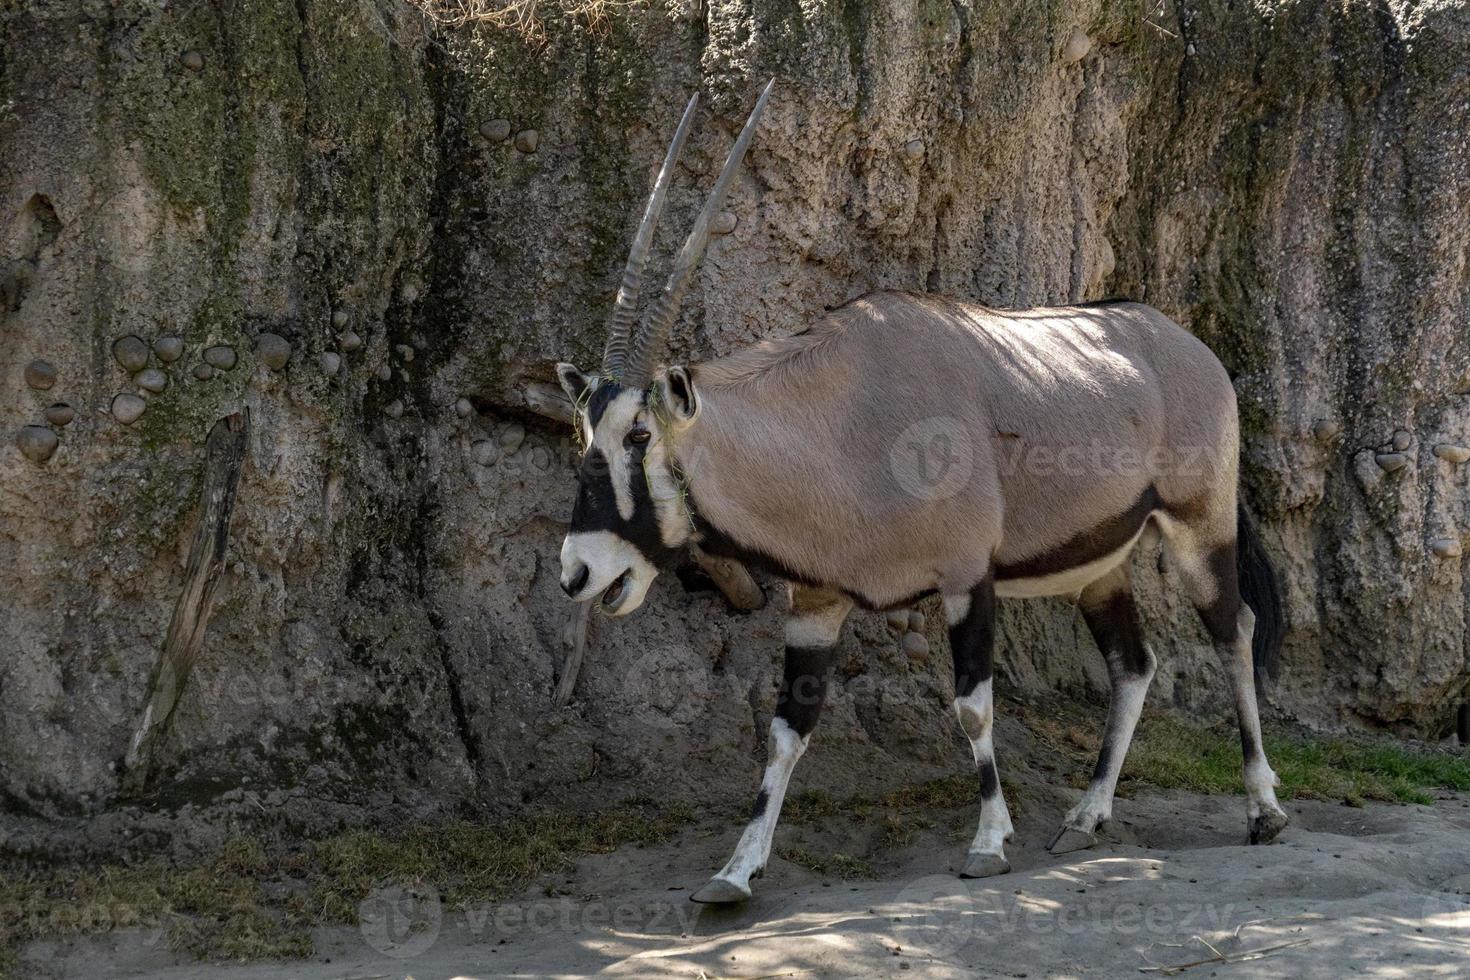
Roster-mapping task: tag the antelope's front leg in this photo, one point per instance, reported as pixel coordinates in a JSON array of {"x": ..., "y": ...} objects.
[
  {"x": 812, "y": 628},
  {"x": 971, "y": 620}
]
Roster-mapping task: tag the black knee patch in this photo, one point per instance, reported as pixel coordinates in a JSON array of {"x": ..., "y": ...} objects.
[
  {"x": 989, "y": 780},
  {"x": 761, "y": 799},
  {"x": 972, "y": 640},
  {"x": 803, "y": 687}
]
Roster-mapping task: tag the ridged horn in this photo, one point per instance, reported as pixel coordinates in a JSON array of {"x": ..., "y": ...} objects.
[
  {"x": 649, "y": 342},
  {"x": 625, "y": 307}
]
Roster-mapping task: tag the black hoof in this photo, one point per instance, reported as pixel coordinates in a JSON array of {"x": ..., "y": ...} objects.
[
  {"x": 718, "y": 891},
  {"x": 985, "y": 866},
  {"x": 1070, "y": 839},
  {"x": 1263, "y": 829}
]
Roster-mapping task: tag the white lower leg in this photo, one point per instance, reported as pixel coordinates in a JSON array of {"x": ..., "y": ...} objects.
[
  {"x": 751, "y": 854},
  {"x": 976, "y": 713},
  {"x": 1096, "y": 805},
  {"x": 1264, "y": 814}
]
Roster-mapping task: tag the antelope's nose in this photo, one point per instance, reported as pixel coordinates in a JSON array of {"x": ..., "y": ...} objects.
[{"x": 574, "y": 580}]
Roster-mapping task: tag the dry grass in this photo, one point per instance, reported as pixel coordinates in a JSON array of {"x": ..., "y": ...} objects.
[
  {"x": 248, "y": 905},
  {"x": 524, "y": 17}
]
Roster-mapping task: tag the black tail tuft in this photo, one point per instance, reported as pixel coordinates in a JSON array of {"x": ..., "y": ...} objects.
[{"x": 1262, "y": 592}]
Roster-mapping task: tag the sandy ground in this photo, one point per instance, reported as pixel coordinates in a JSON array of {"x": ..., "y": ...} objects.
[{"x": 1376, "y": 891}]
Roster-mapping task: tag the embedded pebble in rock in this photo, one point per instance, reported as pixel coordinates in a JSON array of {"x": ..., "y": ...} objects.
[
  {"x": 1077, "y": 47},
  {"x": 36, "y": 442},
  {"x": 495, "y": 130},
  {"x": 394, "y": 409},
  {"x": 512, "y": 437},
  {"x": 409, "y": 293},
  {"x": 723, "y": 224},
  {"x": 915, "y": 646},
  {"x": 405, "y": 352},
  {"x": 192, "y": 60},
  {"x": 330, "y": 363},
  {"x": 1446, "y": 547},
  {"x": 541, "y": 459},
  {"x": 1402, "y": 440},
  {"x": 221, "y": 357},
  {"x": 1452, "y": 453},
  {"x": 385, "y": 373},
  {"x": 151, "y": 379},
  {"x": 485, "y": 452},
  {"x": 131, "y": 353},
  {"x": 340, "y": 318},
  {"x": 1392, "y": 461},
  {"x": 273, "y": 350},
  {"x": 403, "y": 376},
  {"x": 897, "y": 619},
  {"x": 203, "y": 372},
  {"x": 351, "y": 341},
  {"x": 168, "y": 349},
  {"x": 527, "y": 140},
  {"x": 463, "y": 408},
  {"x": 40, "y": 375},
  {"x": 1325, "y": 429},
  {"x": 127, "y": 408},
  {"x": 916, "y": 621},
  {"x": 914, "y": 149},
  {"x": 60, "y": 414}
]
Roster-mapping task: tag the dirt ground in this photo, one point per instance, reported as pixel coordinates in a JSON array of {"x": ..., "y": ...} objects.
[{"x": 1382, "y": 890}]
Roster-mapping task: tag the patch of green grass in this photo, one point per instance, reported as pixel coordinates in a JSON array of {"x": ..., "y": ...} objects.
[
  {"x": 223, "y": 911},
  {"x": 843, "y": 866},
  {"x": 1174, "y": 755}
]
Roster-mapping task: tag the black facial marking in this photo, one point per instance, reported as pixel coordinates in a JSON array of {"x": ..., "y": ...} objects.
[
  {"x": 972, "y": 640},
  {"x": 1086, "y": 547},
  {"x": 600, "y": 398},
  {"x": 803, "y": 687},
  {"x": 596, "y": 507}
]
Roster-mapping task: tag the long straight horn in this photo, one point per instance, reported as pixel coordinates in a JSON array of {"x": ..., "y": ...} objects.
[
  {"x": 625, "y": 307},
  {"x": 649, "y": 342}
]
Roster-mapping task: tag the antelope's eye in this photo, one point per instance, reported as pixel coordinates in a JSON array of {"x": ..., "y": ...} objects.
[{"x": 638, "y": 436}]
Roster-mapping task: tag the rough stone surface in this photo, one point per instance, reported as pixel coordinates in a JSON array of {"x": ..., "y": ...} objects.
[
  {"x": 168, "y": 349},
  {"x": 495, "y": 130},
  {"x": 391, "y": 648},
  {"x": 40, "y": 375},
  {"x": 151, "y": 380},
  {"x": 131, "y": 353},
  {"x": 36, "y": 442},
  {"x": 273, "y": 350},
  {"x": 221, "y": 357},
  {"x": 127, "y": 407}
]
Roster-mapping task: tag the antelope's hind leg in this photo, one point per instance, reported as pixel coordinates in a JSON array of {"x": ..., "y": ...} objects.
[
  {"x": 1112, "y": 617},
  {"x": 812, "y": 628},
  {"x": 1210, "y": 577},
  {"x": 971, "y": 619}
]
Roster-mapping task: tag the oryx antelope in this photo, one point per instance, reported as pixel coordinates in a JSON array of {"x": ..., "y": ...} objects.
[{"x": 797, "y": 456}]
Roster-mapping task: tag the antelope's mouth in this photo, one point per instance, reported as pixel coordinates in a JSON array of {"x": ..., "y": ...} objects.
[{"x": 612, "y": 596}]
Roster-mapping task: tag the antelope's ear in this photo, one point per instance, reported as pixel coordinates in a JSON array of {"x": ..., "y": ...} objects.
[
  {"x": 676, "y": 392},
  {"x": 573, "y": 382}
]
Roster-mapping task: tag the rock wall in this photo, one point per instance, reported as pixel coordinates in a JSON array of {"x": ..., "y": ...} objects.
[{"x": 428, "y": 219}]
